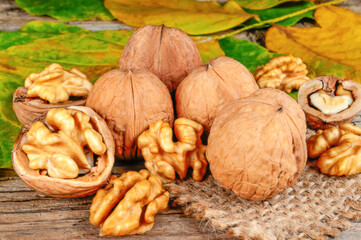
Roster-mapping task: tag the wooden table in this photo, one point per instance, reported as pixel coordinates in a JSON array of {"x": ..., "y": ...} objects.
[{"x": 26, "y": 215}]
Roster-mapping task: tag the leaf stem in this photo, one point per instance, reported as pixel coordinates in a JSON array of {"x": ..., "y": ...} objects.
[{"x": 273, "y": 20}]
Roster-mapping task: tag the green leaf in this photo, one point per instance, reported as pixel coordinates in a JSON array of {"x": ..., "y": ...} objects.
[
  {"x": 261, "y": 4},
  {"x": 279, "y": 11},
  {"x": 67, "y": 10},
  {"x": 193, "y": 17},
  {"x": 248, "y": 53},
  {"x": 35, "y": 30}
]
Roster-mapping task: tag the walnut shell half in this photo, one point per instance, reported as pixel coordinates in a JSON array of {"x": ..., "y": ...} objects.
[
  {"x": 67, "y": 188},
  {"x": 331, "y": 86},
  {"x": 29, "y": 108}
]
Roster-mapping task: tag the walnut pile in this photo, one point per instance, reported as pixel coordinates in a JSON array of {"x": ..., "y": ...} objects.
[
  {"x": 67, "y": 147},
  {"x": 285, "y": 73},
  {"x": 164, "y": 158},
  {"x": 55, "y": 85},
  {"x": 338, "y": 149},
  {"x": 127, "y": 205}
]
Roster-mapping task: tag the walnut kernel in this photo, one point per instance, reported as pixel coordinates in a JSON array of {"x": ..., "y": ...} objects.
[
  {"x": 55, "y": 85},
  {"x": 62, "y": 152},
  {"x": 285, "y": 73},
  {"x": 338, "y": 149},
  {"x": 164, "y": 158},
  {"x": 139, "y": 197}
]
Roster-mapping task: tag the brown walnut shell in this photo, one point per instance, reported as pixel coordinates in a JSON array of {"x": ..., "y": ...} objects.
[
  {"x": 211, "y": 85},
  {"x": 317, "y": 119},
  {"x": 28, "y": 108},
  {"x": 67, "y": 188},
  {"x": 257, "y": 145},
  {"x": 167, "y": 52},
  {"x": 130, "y": 101}
]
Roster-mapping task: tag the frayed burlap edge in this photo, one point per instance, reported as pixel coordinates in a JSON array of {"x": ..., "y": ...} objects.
[{"x": 317, "y": 206}]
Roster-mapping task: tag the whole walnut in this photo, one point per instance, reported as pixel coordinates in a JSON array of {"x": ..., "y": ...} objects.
[
  {"x": 167, "y": 52},
  {"x": 129, "y": 101},
  {"x": 211, "y": 85},
  {"x": 257, "y": 145}
]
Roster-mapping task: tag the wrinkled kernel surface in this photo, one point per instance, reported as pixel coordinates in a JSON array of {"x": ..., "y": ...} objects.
[
  {"x": 165, "y": 158},
  {"x": 285, "y": 73},
  {"x": 55, "y": 85},
  {"x": 127, "y": 205},
  {"x": 338, "y": 149},
  {"x": 64, "y": 151}
]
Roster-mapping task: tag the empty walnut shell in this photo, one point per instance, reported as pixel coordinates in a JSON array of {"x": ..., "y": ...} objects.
[
  {"x": 319, "y": 120},
  {"x": 81, "y": 186},
  {"x": 211, "y": 85},
  {"x": 28, "y": 108},
  {"x": 257, "y": 145},
  {"x": 130, "y": 101},
  {"x": 167, "y": 52}
]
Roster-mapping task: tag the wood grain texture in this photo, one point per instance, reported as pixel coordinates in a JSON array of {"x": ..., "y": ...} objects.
[{"x": 26, "y": 215}]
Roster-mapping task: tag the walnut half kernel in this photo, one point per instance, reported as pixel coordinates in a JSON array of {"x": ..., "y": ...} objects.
[
  {"x": 338, "y": 149},
  {"x": 127, "y": 205},
  {"x": 165, "y": 158},
  {"x": 62, "y": 151},
  {"x": 55, "y": 85},
  {"x": 284, "y": 73},
  {"x": 68, "y": 153}
]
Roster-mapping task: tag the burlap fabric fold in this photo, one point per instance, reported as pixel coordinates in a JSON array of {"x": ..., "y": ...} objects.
[{"x": 317, "y": 206}]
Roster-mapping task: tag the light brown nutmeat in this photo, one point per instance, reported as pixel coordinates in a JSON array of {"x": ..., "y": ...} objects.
[
  {"x": 127, "y": 205},
  {"x": 62, "y": 152},
  {"x": 211, "y": 85},
  {"x": 55, "y": 85},
  {"x": 129, "y": 101},
  {"x": 338, "y": 149},
  {"x": 167, "y": 52},
  {"x": 285, "y": 73},
  {"x": 165, "y": 158}
]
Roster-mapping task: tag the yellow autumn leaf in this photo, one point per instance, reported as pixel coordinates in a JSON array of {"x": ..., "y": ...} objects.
[
  {"x": 193, "y": 17},
  {"x": 333, "y": 48}
]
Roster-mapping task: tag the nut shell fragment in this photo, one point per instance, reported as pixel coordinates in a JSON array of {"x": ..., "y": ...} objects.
[
  {"x": 329, "y": 84},
  {"x": 165, "y": 158},
  {"x": 135, "y": 198},
  {"x": 167, "y": 52},
  {"x": 257, "y": 145},
  {"x": 129, "y": 101},
  {"x": 67, "y": 188},
  {"x": 211, "y": 85}
]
